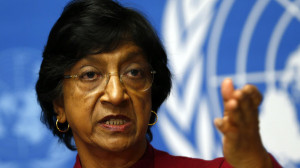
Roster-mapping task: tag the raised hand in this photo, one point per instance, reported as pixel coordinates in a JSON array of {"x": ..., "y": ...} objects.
[{"x": 242, "y": 145}]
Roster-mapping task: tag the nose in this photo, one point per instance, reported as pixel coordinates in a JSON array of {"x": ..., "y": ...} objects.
[{"x": 114, "y": 91}]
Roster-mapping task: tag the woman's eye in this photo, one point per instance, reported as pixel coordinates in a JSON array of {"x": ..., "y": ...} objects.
[
  {"x": 89, "y": 76},
  {"x": 135, "y": 73}
]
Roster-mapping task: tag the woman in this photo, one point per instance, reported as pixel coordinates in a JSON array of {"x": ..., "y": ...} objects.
[{"x": 104, "y": 75}]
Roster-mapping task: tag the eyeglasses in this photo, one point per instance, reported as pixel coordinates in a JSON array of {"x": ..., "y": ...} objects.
[{"x": 136, "y": 79}]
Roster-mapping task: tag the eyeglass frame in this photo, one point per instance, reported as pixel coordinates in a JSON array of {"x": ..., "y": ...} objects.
[{"x": 76, "y": 76}]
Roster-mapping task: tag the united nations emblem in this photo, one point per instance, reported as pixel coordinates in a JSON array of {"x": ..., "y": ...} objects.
[{"x": 255, "y": 42}]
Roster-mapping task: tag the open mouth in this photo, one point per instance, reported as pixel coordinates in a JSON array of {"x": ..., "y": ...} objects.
[{"x": 115, "y": 123}]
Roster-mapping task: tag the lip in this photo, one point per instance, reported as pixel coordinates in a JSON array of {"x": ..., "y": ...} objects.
[{"x": 115, "y": 128}]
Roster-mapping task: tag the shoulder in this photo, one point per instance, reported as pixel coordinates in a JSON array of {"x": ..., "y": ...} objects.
[{"x": 164, "y": 159}]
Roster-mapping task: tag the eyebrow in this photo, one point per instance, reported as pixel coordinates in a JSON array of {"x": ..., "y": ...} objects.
[{"x": 131, "y": 55}]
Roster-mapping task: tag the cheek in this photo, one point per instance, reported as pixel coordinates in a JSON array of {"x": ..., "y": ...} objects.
[
  {"x": 142, "y": 106},
  {"x": 78, "y": 108}
]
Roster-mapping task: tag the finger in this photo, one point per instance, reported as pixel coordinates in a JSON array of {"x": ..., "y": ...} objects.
[
  {"x": 254, "y": 93},
  {"x": 219, "y": 124},
  {"x": 227, "y": 89},
  {"x": 222, "y": 124},
  {"x": 231, "y": 105},
  {"x": 232, "y": 111},
  {"x": 240, "y": 108},
  {"x": 248, "y": 103},
  {"x": 225, "y": 127}
]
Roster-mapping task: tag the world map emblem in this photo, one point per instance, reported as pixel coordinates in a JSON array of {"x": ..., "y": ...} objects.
[{"x": 253, "y": 42}]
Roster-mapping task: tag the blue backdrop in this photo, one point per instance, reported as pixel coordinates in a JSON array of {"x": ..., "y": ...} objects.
[{"x": 255, "y": 41}]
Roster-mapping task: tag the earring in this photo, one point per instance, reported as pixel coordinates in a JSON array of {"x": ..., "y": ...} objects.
[
  {"x": 63, "y": 131},
  {"x": 156, "y": 118}
]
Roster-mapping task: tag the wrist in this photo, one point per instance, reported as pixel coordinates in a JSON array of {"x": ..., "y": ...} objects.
[{"x": 263, "y": 161}]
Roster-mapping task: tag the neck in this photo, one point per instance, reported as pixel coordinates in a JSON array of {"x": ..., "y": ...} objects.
[{"x": 93, "y": 157}]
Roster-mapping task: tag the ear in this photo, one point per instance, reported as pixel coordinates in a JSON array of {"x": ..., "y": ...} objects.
[{"x": 58, "y": 106}]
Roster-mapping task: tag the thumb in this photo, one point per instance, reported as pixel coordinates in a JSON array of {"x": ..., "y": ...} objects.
[{"x": 227, "y": 89}]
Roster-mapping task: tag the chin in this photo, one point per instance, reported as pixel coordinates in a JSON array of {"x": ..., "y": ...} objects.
[{"x": 119, "y": 145}]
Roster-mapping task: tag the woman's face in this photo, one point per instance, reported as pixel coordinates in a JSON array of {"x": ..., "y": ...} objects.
[{"x": 110, "y": 116}]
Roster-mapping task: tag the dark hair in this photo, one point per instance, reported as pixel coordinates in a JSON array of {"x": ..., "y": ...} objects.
[{"x": 86, "y": 26}]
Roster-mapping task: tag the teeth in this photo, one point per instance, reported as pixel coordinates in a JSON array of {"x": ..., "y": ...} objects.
[{"x": 115, "y": 122}]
